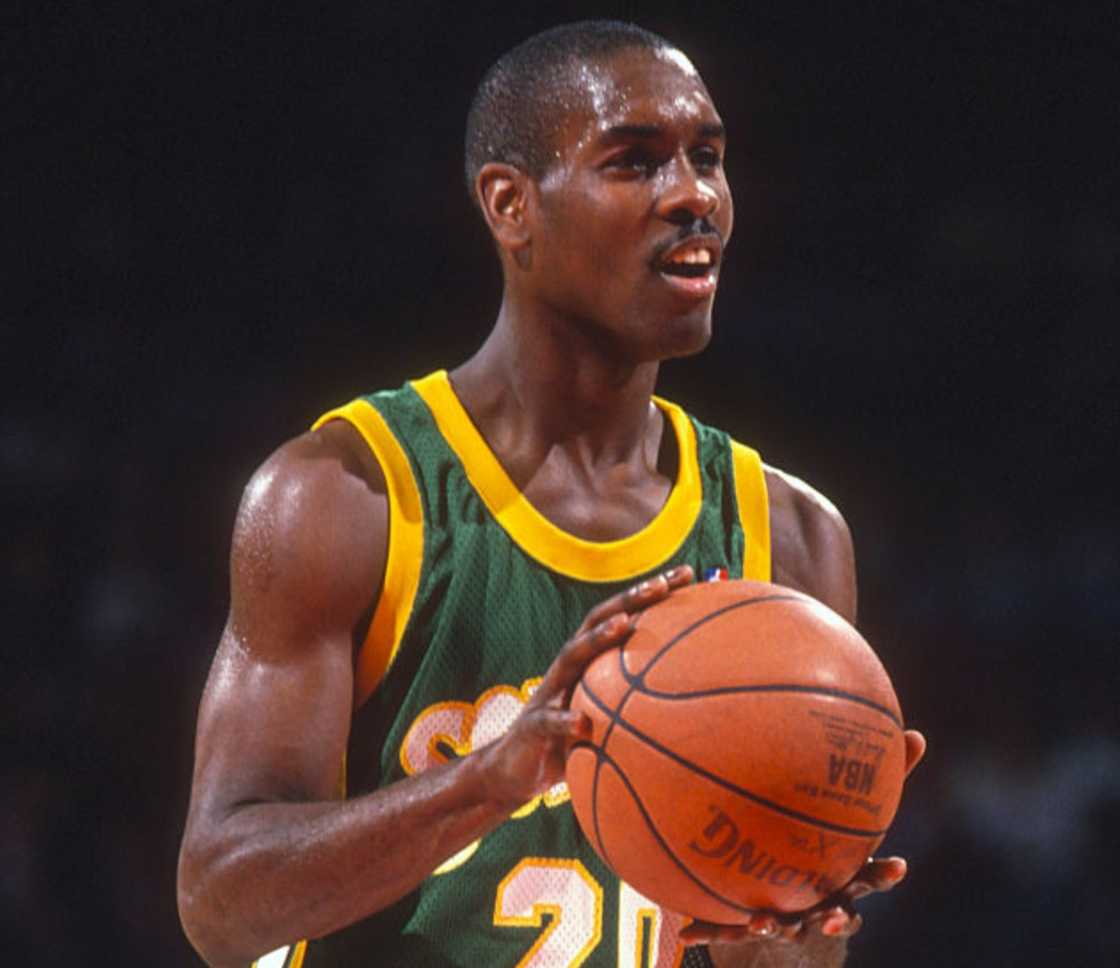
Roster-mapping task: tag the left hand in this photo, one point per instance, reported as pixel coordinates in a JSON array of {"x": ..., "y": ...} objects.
[{"x": 835, "y": 917}]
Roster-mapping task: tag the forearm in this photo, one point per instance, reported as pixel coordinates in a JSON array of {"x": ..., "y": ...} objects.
[
  {"x": 273, "y": 873},
  {"x": 813, "y": 951}
]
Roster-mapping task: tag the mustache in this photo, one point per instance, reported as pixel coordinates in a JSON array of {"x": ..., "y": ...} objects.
[{"x": 696, "y": 229}]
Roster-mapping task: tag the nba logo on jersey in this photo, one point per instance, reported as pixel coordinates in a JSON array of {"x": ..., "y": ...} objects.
[{"x": 715, "y": 574}]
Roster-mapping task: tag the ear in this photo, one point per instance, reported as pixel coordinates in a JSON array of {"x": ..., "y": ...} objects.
[{"x": 504, "y": 194}]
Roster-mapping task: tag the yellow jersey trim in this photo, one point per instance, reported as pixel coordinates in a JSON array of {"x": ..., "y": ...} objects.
[
  {"x": 290, "y": 957},
  {"x": 563, "y": 552},
  {"x": 754, "y": 511},
  {"x": 406, "y": 545}
]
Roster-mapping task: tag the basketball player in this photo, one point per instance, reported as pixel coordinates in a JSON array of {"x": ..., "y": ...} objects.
[{"x": 418, "y": 582}]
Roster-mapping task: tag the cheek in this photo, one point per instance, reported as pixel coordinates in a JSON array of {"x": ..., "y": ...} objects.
[
  {"x": 604, "y": 249},
  {"x": 598, "y": 249},
  {"x": 727, "y": 212},
  {"x": 613, "y": 241},
  {"x": 594, "y": 249}
]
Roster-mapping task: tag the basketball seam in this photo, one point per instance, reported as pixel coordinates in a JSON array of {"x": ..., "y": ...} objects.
[
  {"x": 587, "y": 745},
  {"x": 594, "y": 788},
  {"x": 720, "y": 781},
  {"x": 770, "y": 687},
  {"x": 631, "y": 680},
  {"x": 603, "y": 756}
]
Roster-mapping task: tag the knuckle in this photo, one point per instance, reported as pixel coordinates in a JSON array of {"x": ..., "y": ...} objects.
[
  {"x": 637, "y": 592},
  {"x": 611, "y": 627}
]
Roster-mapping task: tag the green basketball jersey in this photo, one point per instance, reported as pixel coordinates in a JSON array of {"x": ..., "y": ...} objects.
[{"x": 480, "y": 592}]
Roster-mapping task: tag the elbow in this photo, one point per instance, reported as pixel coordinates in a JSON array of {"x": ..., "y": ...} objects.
[
  {"x": 207, "y": 923},
  {"x": 193, "y": 918}
]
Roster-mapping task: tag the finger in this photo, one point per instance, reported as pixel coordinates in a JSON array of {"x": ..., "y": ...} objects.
[
  {"x": 761, "y": 927},
  {"x": 680, "y": 576},
  {"x": 568, "y": 724},
  {"x": 838, "y": 923},
  {"x": 639, "y": 596},
  {"x": 915, "y": 748},
  {"x": 878, "y": 874},
  {"x": 791, "y": 928},
  {"x": 568, "y": 666}
]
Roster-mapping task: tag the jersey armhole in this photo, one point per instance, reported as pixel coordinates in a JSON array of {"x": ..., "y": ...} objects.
[
  {"x": 754, "y": 511},
  {"x": 406, "y": 546}
]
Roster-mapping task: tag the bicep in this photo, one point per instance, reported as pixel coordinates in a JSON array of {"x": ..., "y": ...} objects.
[
  {"x": 271, "y": 731},
  {"x": 274, "y": 719}
]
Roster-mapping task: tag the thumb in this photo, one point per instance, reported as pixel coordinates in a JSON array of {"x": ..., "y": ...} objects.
[
  {"x": 915, "y": 748},
  {"x": 569, "y": 724}
]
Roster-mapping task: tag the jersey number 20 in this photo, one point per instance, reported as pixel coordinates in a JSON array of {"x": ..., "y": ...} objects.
[{"x": 572, "y": 901}]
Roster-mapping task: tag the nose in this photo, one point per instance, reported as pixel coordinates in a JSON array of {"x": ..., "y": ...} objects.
[{"x": 686, "y": 195}]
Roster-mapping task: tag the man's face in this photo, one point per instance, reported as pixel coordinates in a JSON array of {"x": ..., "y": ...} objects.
[{"x": 635, "y": 211}]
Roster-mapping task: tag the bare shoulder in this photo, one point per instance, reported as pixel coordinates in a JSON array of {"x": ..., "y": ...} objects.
[
  {"x": 310, "y": 538},
  {"x": 306, "y": 560},
  {"x": 811, "y": 546}
]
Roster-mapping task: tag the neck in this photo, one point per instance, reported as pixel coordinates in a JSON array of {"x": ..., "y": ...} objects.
[{"x": 541, "y": 383}]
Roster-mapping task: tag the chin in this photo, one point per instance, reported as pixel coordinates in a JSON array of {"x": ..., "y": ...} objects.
[{"x": 685, "y": 335}]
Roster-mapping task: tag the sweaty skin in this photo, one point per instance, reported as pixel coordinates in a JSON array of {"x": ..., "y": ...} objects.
[{"x": 561, "y": 392}]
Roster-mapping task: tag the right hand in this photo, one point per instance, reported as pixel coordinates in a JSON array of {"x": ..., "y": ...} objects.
[
  {"x": 529, "y": 758},
  {"x": 834, "y": 917}
]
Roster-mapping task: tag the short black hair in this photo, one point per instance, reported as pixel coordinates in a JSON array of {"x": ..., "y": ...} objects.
[{"x": 514, "y": 113}]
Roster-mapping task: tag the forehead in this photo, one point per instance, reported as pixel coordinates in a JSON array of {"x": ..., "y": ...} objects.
[{"x": 641, "y": 86}]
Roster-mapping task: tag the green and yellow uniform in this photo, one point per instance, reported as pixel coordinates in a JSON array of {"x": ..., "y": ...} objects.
[{"x": 480, "y": 592}]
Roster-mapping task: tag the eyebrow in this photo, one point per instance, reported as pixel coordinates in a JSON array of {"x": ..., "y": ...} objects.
[{"x": 647, "y": 132}]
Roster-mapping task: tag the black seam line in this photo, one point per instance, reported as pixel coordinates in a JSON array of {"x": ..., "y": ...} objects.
[
  {"x": 688, "y": 630},
  {"x": 636, "y": 681},
  {"x": 594, "y": 808},
  {"x": 603, "y": 757},
  {"x": 734, "y": 788},
  {"x": 595, "y": 798},
  {"x": 773, "y": 687},
  {"x": 600, "y": 756}
]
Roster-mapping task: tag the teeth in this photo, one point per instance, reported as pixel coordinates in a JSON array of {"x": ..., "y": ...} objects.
[{"x": 693, "y": 257}]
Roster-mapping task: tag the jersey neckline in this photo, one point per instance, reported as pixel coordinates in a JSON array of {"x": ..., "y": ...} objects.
[{"x": 550, "y": 545}]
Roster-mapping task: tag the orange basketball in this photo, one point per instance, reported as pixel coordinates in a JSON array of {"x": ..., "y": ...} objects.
[{"x": 747, "y": 752}]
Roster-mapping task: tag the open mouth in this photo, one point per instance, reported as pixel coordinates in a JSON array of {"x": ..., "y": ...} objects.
[
  {"x": 690, "y": 259},
  {"x": 691, "y": 267},
  {"x": 690, "y": 264}
]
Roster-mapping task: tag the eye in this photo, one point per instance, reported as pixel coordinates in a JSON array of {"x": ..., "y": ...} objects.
[
  {"x": 635, "y": 160},
  {"x": 706, "y": 158}
]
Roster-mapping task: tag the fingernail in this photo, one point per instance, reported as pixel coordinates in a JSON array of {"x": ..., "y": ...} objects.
[
  {"x": 645, "y": 587},
  {"x": 674, "y": 573},
  {"x": 764, "y": 928}
]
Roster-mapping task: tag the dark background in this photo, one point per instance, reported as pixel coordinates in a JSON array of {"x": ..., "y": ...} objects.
[{"x": 221, "y": 219}]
